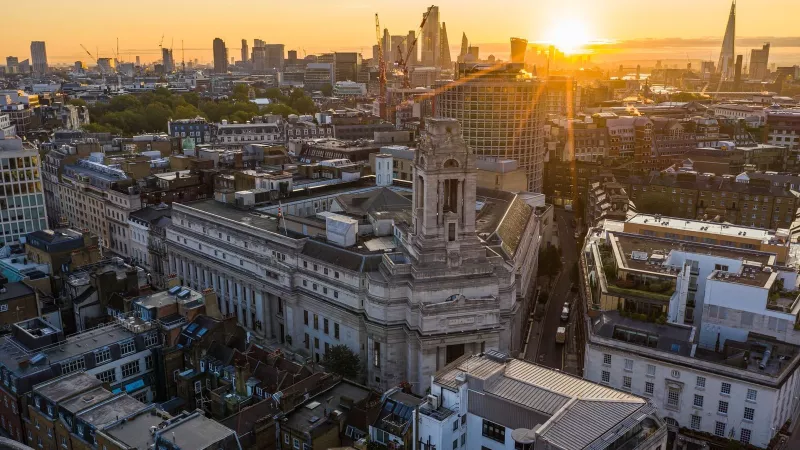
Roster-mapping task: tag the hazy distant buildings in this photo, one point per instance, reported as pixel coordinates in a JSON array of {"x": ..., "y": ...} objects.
[
  {"x": 500, "y": 116},
  {"x": 220, "y": 56},
  {"x": 727, "y": 63},
  {"x": 464, "y": 48},
  {"x": 445, "y": 62},
  {"x": 12, "y": 65},
  {"x": 39, "y": 57},
  {"x": 430, "y": 38},
  {"x": 346, "y": 66},
  {"x": 413, "y": 59},
  {"x": 274, "y": 54},
  {"x": 167, "y": 60},
  {"x": 245, "y": 51},
  {"x": 759, "y": 62},
  {"x": 518, "y": 48}
]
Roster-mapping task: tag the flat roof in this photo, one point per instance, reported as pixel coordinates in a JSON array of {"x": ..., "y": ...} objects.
[
  {"x": 62, "y": 387},
  {"x": 135, "y": 431},
  {"x": 87, "y": 399},
  {"x": 312, "y": 413},
  {"x": 111, "y": 410},
  {"x": 15, "y": 290},
  {"x": 212, "y": 206},
  {"x": 723, "y": 229},
  {"x": 197, "y": 431},
  {"x": 164, "y": 298}
]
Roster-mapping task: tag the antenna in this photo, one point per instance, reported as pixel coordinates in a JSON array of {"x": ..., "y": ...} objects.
[{"x": 183, "y": 59}]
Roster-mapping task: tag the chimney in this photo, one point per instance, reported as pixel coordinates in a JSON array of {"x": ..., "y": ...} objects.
[
  {"x": 242, "y": 375},
  {"x": 211, "y": 304}
]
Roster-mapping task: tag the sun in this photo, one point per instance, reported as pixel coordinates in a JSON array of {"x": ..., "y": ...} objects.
[{"x": 570, "y": 35}]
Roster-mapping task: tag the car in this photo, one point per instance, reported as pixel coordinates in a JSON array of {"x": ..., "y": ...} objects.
[
  {"x": 561, "y": 335},
  {"x": 565, "y": 312}
]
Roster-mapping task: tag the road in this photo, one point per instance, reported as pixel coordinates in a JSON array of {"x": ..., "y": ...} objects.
[{"x": 550, "y": 353}]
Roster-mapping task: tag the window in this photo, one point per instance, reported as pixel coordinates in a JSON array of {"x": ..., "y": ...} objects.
[
  {"x": 719, "y": 429},
  {"x": 307, "y": 341},
  {"x": 316, "y": 322},
  {"x": 726, "y": 389},
  {"x": 127, "y": 347},
  {"x": 700, "y": 383},
  {"x": 723, "y": 407},
  {"x": 455, "y": 425},
  {"x": 463, "y": 420},
  {"x": 335, "y": 294},
  {"x": 626, "y": 383},
  {"x": 606, "y": 359},
  {"x": 316, "y": 342},
  {"x": 325, "y": 326},
  {"x": 376, "y": 354},
  {"x": 605, "y": 376},
  {"x": 696, "y": 422},
  {"x": 150, "y": 339},
  {"x": 102, "y": 355},
  {"x": 305, "y": 314},
  {"x": 676, "y": 374},
  {"x": 744, "y": 436},
  {"x": 651, "y": 370},
  {"x": 130, "y": 369},
  {"x": 455, "y": 444},
  {"x": 296, "y": 443},
  {"x": 108, "y": 376},
  {"x": 648, "y": 387},
  {"x": 464, "y": 438},
  {"x": 494, "y": 431},
  {"x": 698, "y": 401},
  {"x": 148, "y": 362},
  {"x": 335, "y": 274},
  {"x": 752, "y": 394},
  {"x": 749, "y": 413},
  {"x": 673, "y": 397},
  {"x": 73, "y": 365}
]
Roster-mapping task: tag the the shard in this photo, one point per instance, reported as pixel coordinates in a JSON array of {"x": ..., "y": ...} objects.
[
  {"x": 727, "y": 59},
  {"x": 464, "y": 48}
]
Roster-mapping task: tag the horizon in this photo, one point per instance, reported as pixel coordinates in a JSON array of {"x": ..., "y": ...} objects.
[{"x": 623, "y": 23}]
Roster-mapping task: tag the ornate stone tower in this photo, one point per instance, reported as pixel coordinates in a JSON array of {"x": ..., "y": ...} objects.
[{"x": 443, "y": 214}]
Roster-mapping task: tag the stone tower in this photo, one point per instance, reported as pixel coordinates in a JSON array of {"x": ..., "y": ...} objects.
[{"x": 443, "y": 214}]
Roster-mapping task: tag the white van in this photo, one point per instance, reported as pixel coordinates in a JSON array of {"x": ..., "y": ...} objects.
[
  {"x": 561, "y": 335},
  {"x": 565, "y": 312}
]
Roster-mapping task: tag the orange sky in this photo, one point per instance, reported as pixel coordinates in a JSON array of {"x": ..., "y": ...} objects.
[{"x": 324, "y": 25}]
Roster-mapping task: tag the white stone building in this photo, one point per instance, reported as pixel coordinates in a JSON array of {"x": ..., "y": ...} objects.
[
  {"x": 706, "y": 331},
  {"x": 447, "y": 279}
]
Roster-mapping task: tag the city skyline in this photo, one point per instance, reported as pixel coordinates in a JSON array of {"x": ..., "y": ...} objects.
[{"x": 588, "y": 21}]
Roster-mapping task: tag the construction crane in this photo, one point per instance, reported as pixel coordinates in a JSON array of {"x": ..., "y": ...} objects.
[
  {"x": 402, "y": 60},
  {"x": 381, "y": 71},
  {"x": 161, "y": 43},
  {"x": 93, "y": 58}
]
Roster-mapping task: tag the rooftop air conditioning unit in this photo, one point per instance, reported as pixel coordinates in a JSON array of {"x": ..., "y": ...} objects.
[{"x": 433, "y": 400}]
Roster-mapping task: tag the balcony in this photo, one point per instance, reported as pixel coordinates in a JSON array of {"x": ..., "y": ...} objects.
[{"x": 783, "y": 301}]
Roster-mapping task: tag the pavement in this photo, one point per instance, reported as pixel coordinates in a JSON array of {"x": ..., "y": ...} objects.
[{"x": 542, "y": 347}]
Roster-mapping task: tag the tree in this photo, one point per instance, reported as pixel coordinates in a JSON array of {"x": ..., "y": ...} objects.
[
  {"x": 342, "y": 361},
  {"x": 241, "y": 93},
  {"x": 327, "y": 90},
  {"x": 77, "y": 102},
  {"x": 279, "y": 108}
]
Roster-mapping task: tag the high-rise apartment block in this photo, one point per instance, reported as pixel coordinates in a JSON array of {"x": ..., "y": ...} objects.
[
  {"x": 39, "y": 57},
  {"x": 431, "y": 46},
  {"x": 759, "y": 62},
  {"x": 220, "y": 56},
  {"x": 500, "y": 114},
  {"x": 22, "y": 206},
  {"x": 245, "y": 51}
]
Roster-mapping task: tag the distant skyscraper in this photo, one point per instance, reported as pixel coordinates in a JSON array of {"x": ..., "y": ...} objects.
[
  {"x": 291, "y": 56},
  {"x": 413, "y": 59},
  {"x": 430, "y": 38},
  {"x": 245, "y": 51},
  {"x": 445, "y": 62},
  {"x": 275, "y": 55},
  {"x": 375, "y": 50},
  {"x": 138, "y": 61},
  {"x": 464, "y": 48},
  {"x": 39, "y": 57},
  {"x": 518, "y": 48},
  {"x": 726, "y": 57},
  {"x": 397, "y": 43},
  {"x": 759, "y": 62},
  {"x": 12, "y": 64},
  {"x": 167, "y": 61},
  {"x": 220, "y": 56}
]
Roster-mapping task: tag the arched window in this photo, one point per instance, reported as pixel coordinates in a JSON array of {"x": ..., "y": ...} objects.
[{"x": 450, "y": 163}]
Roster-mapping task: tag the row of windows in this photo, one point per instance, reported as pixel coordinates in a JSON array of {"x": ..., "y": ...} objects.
[{"x": 325, "y": 325}]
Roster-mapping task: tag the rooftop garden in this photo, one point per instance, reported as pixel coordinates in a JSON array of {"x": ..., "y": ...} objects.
[{"x": 633, "y": 286}]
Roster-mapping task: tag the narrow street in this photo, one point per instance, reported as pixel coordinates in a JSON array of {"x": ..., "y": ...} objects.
[{"x": 549, "y": 352}]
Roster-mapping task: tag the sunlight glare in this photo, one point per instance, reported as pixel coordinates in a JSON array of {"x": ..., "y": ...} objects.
[{"x": 570, "y": 35}]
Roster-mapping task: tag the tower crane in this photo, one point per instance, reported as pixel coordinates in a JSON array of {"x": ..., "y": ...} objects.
[
  {"x": 381, "y": 71},
  {"x": 93, "y": 58},
  {"x": 402, "y": 60}
]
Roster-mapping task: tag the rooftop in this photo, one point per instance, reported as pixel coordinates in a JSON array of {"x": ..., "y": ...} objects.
[
  {"x": 111, "y": 410},
  {"x": 315, "y": 412},
  {"x": 87, "y": 399},
  {"x": 135, "y": 431},
  {"x": 65, "y": 386},
  {"x": 196, "y": 432},
  {"x": 177, "y": 294},
  {"x": 762, "y": 235},
  {"x": 12, "y": 291}
]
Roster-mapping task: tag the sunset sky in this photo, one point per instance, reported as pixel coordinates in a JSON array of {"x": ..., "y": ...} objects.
[{"x": 319, "y": 26}]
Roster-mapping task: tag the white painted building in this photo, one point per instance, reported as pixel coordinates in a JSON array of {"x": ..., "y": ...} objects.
[
  {"x": 490, "y": 401},
  {"x": 723, "y": 356},
  {"x": 444, "y": 282}
]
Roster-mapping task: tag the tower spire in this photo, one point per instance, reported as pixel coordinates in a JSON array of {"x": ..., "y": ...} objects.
[{"x": 726, "y": 57}]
